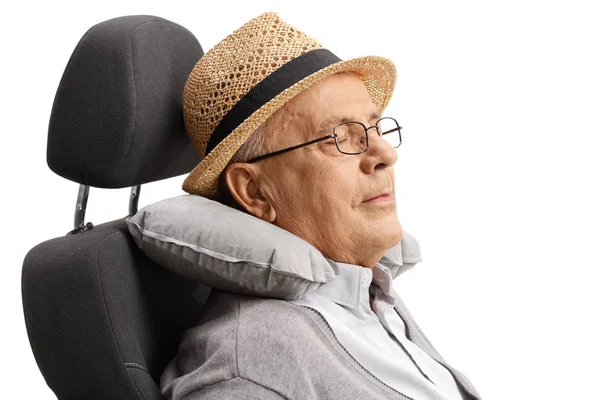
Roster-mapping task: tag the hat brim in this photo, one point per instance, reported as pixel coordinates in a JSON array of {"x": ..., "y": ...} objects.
[{"x": 377, "y": 73}]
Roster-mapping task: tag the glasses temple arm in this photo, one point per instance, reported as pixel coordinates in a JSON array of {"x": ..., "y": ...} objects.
[{"x": 290, "y": 148}]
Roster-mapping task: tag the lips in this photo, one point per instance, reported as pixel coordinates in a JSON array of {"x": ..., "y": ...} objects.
[{"x": 377, "y": 195}]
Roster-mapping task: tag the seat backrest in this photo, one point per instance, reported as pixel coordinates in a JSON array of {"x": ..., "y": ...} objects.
[{"x": 103, "y": 320}]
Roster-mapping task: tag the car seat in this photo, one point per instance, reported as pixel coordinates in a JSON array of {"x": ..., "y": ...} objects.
[{"x": 102, "y": 319}]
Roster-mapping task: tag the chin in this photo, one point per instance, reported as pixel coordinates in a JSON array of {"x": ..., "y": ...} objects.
[{"x": 389, "y": 230}]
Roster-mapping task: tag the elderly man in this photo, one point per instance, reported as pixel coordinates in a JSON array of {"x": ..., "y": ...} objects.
[{"x": 296, "y": 137}]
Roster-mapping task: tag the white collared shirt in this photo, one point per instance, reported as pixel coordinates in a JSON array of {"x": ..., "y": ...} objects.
[{"x": 376, "y": 336}]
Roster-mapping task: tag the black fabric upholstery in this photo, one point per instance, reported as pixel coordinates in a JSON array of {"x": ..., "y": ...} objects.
[
  {"x": 117, "y": 117},
  {"x": 103, "y": 320}
]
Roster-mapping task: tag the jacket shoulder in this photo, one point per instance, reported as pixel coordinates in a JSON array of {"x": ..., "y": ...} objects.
[
  {"x": 263, "y": 325},
  {"x": 238, "y": 336}
]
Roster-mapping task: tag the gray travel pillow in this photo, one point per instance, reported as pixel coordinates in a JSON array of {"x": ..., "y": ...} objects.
[{"x": 225, "y": 248}]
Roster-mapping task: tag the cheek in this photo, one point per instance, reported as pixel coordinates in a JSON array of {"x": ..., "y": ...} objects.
[{"x": 336, "y": 185}]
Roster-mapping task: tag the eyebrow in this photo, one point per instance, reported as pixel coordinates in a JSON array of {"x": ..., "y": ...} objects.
[{"x": 338, "y": 119}]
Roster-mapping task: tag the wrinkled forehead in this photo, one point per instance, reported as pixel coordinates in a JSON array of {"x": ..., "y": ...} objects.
[{"x": 339, "y": 98}]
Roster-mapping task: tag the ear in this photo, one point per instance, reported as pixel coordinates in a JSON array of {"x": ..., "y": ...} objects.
[{"x": 244, "y": 183}]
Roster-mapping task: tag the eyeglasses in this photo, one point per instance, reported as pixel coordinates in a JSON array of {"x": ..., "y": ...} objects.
[{"x": 352, "y": 137}]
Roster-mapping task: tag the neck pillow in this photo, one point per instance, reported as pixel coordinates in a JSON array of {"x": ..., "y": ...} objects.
[{"x": 225, "y": 248}]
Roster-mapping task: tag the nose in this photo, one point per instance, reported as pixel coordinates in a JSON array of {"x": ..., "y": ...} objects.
[{"x": 379, "y": 154}]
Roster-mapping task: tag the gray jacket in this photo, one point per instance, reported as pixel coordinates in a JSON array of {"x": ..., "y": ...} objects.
[{"x": 247, "y": 347}]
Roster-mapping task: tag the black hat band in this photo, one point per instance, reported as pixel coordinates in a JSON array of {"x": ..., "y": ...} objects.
[{"x": 279, "y": 80}]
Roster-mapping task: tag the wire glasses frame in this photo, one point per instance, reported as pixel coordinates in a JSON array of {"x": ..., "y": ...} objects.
[{"x": 335, "y": 136}]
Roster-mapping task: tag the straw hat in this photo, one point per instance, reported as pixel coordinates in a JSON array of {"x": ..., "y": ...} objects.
[{"x": 250, "y": 74}]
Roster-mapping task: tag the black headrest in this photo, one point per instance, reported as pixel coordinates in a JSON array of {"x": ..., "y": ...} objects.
[{"x": 117, "y": 118}]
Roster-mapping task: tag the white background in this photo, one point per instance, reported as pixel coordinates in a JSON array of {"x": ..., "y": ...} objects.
[{"x": 497, "y": 176}]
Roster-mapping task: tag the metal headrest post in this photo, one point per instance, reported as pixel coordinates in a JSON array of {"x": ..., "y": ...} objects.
[{"x": 81, "y": 205}]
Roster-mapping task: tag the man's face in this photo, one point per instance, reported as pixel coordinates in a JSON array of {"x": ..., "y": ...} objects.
[{"x": 320, "y": 194}]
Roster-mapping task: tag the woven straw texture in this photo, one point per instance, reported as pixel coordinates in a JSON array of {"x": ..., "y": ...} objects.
[{"x": 238, "y": 63}]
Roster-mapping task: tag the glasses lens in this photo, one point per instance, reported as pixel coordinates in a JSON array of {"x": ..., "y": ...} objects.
[
  {"x": 351, "y": 137},
  {"x": 390, "y": 131}
]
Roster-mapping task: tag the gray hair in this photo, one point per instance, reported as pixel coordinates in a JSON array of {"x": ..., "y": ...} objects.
[
  {"x": 251, "y": 148},
  {"x": 254, "y": 146}
]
